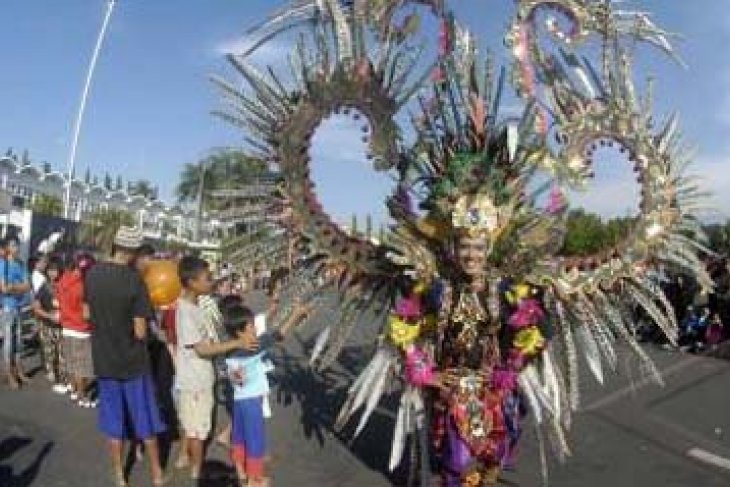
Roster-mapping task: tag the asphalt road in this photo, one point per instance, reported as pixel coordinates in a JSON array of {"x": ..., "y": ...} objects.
[{"x": 628, "y": 434}]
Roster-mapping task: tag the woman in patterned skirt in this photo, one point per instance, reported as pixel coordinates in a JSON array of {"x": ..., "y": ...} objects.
[
  {"x": 45, "y": 309},
  {"x": 76, "y": 329}
]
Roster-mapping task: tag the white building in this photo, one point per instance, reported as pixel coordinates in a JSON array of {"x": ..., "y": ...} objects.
[{"x": 26, "y": 183}]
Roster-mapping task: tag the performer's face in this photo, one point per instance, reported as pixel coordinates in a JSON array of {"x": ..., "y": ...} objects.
[{"x": 472, "y": 254}]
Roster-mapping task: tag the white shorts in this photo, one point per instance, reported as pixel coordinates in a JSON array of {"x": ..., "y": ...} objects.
[{"x": 195, "y": 411}]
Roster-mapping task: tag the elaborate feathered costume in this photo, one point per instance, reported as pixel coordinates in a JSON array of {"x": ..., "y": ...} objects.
[{"x": 482, "y": 319}]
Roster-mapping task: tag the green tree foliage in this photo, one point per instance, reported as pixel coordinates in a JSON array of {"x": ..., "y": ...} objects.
[
  {"x": 618, "y": 229},
  {"x": 47, "y": 205},
  {"x": 224, "y": 169},
  {"x": 718, "y": 237},
  {"x": 588, "y": 234},
  {"x": 142, "y": 187},
  {"x": 369, "y": 226},
  {"x": 585, "y": 235},
  {"x": 99, "y": 228},
  {"x": 353, "y": 225}
]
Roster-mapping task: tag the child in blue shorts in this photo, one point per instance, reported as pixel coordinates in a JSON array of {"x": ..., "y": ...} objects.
[{"x": 247, "y": 373}]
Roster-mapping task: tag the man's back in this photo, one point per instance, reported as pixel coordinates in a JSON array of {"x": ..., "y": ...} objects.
[{"x": 116, "y": 295}]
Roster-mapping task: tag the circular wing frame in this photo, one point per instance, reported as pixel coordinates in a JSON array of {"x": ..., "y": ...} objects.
[
  {"x": 655, "y": 164},
  {"x": 343, "y": 91},
  {"x": 589, "y": 109},
  {"x": 356, "y": 60}
]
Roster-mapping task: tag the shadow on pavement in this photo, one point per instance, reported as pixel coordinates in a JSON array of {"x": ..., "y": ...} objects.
[
  {"x": 8, "y": 448},
  {"x": 721, "y": 352},
  {"x": 320, "y": 396}
]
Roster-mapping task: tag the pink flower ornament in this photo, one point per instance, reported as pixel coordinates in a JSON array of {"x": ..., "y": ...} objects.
[
  {"x": 504, "y": 380},
  {"x": 529, "y": 312},
  {"x": 419, "y": 367},
  {"x": 409, "y": 309}
]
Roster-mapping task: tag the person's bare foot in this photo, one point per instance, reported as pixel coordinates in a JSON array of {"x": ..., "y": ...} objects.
[
  {"x": 260, "y": 482},
  {"x": 119, "y": 480},
  {"x": 183, "y": 461},
  {"x": 224, "y": 438},
  {"x": 162, "y": 481},
  {"x": 13, "y": 381}
]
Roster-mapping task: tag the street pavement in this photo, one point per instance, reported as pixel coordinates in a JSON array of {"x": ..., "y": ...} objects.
[{"x": 628, "y": 433}]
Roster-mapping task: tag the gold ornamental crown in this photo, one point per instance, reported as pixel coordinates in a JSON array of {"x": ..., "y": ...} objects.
[{"x": 477, "y": 215}]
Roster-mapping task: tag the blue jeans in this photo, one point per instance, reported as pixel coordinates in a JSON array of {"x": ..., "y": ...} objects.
[{"x": 12, "y": 336}]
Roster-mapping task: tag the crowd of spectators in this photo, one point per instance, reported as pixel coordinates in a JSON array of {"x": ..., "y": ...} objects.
[{"x": 701, "y": 312}]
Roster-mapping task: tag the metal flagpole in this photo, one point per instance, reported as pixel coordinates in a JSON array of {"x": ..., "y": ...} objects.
[{"x": 82, "y": 107}]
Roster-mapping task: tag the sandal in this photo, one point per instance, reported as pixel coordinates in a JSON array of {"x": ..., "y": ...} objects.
[{"x": 22, "y": 377}]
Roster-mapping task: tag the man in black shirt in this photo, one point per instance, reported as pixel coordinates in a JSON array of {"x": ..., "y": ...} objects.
[{"x": 119, "y": 307}]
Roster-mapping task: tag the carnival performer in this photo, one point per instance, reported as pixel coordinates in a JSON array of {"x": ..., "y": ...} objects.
[{"x": 471, "y": 285}]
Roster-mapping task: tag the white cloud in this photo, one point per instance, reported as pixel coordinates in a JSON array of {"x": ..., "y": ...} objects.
[
  {"x": 345, "y": 180},
  {"x": 619, "y": 196},
  {"x": 277, "y": 48},
  {"x": 714, "y": 170},
  {"x": 614, "y": 197},
  {"x": 723, "y": 107}
]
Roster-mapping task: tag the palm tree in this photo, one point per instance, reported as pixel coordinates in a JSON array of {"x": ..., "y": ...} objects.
[
  {"x": 224, "y": 169},
  {"x": 99, "y": 228},
  {"x": 369, "y": 226},
  {"x": 47, "y": 205},
  {"x": 142, "y": 187}
]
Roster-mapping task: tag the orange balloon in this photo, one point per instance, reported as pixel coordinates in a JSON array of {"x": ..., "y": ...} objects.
[{"x": 163, "y": 282}]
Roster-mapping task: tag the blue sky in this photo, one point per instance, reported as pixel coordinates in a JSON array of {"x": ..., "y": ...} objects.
[{"x": 148, "y": 113}]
